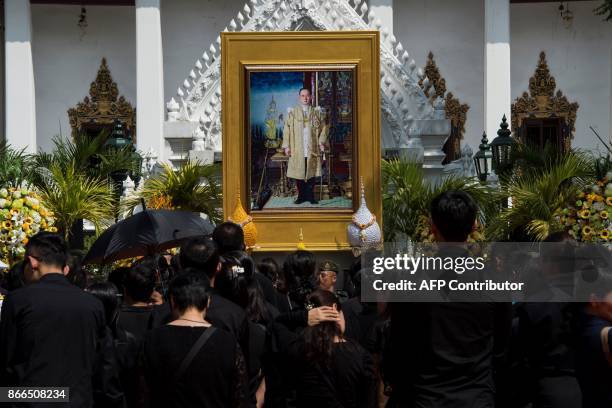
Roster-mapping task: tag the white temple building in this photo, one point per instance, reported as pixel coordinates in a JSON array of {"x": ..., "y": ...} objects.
[{"x": 449, "y": 67}]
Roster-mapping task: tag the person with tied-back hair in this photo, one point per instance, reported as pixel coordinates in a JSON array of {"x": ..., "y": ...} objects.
[
  {"x": 299, "y": 268},
  {"x": 229, "y": 237},
  {"x": 270, "y": 269},
  {"x": 236, "y": 282},
  {"x": 188, "y": 362},
  {"x": 77, "y": 275},
  {"x": 331, "y": 370},
  {"x": 243, "y": 288}
]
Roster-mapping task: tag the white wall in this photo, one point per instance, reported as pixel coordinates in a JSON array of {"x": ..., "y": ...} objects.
[
  {"x": 579, "y": 58},
  {"x": 65, "y": 64},
  {"x": 188, "y": 29},
  {"x": 453, "y": 30}
]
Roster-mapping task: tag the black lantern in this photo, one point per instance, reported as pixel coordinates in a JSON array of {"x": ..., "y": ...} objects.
[
  {"x": 118, "y": 138},
  {"x": 502, "y": 148},
  {"x": 483, "y": 159}
]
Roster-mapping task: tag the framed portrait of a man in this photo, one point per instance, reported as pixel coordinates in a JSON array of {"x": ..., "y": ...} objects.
[
  {"x": 300, "y": 137},
  {"x": 300, "y": 130}
]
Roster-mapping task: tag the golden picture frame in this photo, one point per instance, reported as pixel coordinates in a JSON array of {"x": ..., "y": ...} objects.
[{"x": 323, "y": 228}]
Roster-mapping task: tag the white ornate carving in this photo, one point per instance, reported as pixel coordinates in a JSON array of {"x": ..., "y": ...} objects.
[
  {"x": 128, "y": 188},
  {"x": 438, "y": 104},
  {"x": 463, "y": 166},
  {"x": 148, "y": 163},
  {"x": 364, "y": 231},
  {"x": 173, "y": 109},
  {"x": 199, "y": 96}
]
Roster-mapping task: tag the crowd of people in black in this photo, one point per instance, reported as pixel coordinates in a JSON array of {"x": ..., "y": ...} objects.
[{"x": 210, "y": 327}]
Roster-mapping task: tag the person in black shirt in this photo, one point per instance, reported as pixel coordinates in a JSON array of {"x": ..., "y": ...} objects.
[
  {"x": 331, "y": 370},
  {"x": 202, "y": 255},
  {"x": 52, "y": 334},
  {"x": 136, "y": 317},
  {"x": 189, "y": 363},
  {"x": 443, "y": 354},
  {"x": 594, "y": 346},
  {"x": 137, "y": 314},
  {"x": 235, "y": 282},
  {"x": 545, "y": 343}
]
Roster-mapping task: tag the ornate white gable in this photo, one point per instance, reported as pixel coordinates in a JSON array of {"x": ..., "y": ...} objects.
[{"x": 404, "y": 103}]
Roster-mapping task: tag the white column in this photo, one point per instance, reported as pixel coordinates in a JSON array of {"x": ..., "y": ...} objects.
[
  {"x": 20, "y": 102},
  {"x": 383, "y": 10},
  {"x": 497, "y": 64},
  {"x": 149, "y": 78}
]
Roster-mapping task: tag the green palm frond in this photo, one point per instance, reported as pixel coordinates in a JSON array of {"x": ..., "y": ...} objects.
[
  {"x": 72, "y": 196},
  {"x": 407, "y": 195},
  {"x": 537, "y": 195},
  {"x": 89, "y": 156},
  {"x": 15, "y": 166},
  {"x": 605, "y": 9},
  {"x": 193, "y": 187}
]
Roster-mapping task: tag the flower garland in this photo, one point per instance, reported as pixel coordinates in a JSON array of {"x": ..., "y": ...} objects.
[
  {"x": 363, "y": 226},
  {"x": 588, "y": 219},
  {"x": 22, "y": 215}
]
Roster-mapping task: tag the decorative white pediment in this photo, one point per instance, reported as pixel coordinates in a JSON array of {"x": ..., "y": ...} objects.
[{"x": 403, "y": 101}]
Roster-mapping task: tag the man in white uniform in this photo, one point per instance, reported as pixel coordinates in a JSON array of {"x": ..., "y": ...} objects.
[{"x": 304, "y": 138}]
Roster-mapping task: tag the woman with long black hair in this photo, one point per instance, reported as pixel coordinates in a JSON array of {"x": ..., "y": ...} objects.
[{"x": 332, "y": 370}]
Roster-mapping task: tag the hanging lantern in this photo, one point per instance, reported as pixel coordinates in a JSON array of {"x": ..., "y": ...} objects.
[
  {"x": 483, "y": 159},
  {"x": 502, "y": 148}
]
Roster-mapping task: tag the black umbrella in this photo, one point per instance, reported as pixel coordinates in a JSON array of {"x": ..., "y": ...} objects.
[{"x": 147, "y": 233}]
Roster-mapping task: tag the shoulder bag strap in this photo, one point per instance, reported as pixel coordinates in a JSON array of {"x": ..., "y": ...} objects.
[{"x": 195, "y": 349}]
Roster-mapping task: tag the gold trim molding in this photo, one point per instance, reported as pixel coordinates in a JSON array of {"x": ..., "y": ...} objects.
[
  {"x": 103, "y": 105},
  {"x": 542, "y": 102},
  {"x": 455, "y": 111}
]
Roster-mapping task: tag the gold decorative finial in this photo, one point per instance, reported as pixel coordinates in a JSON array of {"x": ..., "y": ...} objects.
[
  {"x": 300, "y": 245},
  {"x": 361, "y": 186},
  {"x": 243, "y": 219}
]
